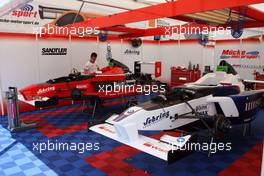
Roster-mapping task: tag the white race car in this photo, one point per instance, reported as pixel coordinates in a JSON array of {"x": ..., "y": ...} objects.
[{"x": 214, "y": 95}]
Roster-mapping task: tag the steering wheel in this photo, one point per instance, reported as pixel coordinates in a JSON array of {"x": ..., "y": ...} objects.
[
  {"x": 74, "y": 73},
  {"x": 187, "y": 93}
]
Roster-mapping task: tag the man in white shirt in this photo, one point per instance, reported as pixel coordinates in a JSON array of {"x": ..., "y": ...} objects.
[{"x": 91, "y": 67}]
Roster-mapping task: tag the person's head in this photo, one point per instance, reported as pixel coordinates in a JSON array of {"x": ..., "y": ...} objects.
[
  {"x": 223, "y": 63},
  {"x": 93, "y": 57}
]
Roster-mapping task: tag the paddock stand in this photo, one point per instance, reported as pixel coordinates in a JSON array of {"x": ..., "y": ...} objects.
[
  {"x": 95, "y": 104},
  {"x": 14, "y": 122}
]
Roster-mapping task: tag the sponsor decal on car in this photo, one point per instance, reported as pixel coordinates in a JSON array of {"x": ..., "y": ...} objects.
[
  {"x": 82, "y": 86},
  {"x": 107, "y": 129},
  {"x": 156, "y": 118},
  {"x": 181, "y": 139},
  {"x": 152, "y": 146},
  {"x": 252, "y": 105},
  {"x": 45, "y": 90},
  {"x": 239, "y": 54},
  {"x": 202, "y": 109}
]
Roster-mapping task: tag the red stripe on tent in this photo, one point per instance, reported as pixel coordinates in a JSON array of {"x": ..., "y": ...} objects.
[
  {"x": 209, "y": 46},
  {"x": 17, "y": 35},
  {"x": 169, "y": 9},
  {"x": 114, "y": 38},
  {"x": 179, "y": 41},
  {"x": 247, "y": 40}
]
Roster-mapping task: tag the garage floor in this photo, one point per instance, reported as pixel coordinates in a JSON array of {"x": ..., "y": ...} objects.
[{"x": 68, "y": 124}]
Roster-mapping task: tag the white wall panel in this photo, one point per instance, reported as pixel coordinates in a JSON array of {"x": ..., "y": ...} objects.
[
  {"x": 150, "y": 53},
  {"x": 208, "y": 58},
  {"x": 21, "y": 61},
  {"x": 51, "y": 66},
  {"x": 190, "y": 52},
  {"x": 262, "y": 54},
  {"x": 179, "y": 54},
  {"x": 80, "y": 51},
  {"x": 116, "y": 52},
  {"x": 18, "y": 62},
  {"x": 168, "y": 54},
  {"x": 248, "y": 73},
  {"x": 129, "y": 59}
]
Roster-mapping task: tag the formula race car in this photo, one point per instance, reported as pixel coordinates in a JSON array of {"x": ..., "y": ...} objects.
[
  {"x": 219, "y": 97},
  {"x": 97, "y": 86}
]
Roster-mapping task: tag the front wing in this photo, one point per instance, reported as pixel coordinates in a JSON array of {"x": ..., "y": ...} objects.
[{"x": 168, "y": 148}]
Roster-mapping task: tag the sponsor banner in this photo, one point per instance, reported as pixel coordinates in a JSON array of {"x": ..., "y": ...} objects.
[
  {"x": 239, "y": 54},
  {"x": 246, "y": 58},
  {"x": 7, "y": 6},
  {"x": 54, "y": 51},
  {"x": 132, "y": 52},
  {"x": 35, "y": 18},
  {"x": 21, "y": 20}
]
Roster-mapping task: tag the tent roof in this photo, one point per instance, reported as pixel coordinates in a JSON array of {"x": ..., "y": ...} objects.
[{"x": 129, "y": 4}]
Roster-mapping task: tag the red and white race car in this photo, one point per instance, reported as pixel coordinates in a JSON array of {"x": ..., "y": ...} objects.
[{"x": 100, "y": 86}]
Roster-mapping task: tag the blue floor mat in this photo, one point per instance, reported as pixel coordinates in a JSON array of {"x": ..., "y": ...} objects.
[{"x": 18, "y": 156}]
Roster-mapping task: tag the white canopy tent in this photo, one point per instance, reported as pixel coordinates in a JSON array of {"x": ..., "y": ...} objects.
[
  {"x": 107, "y": 7},
  {"x": 94, "y": 6}
]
